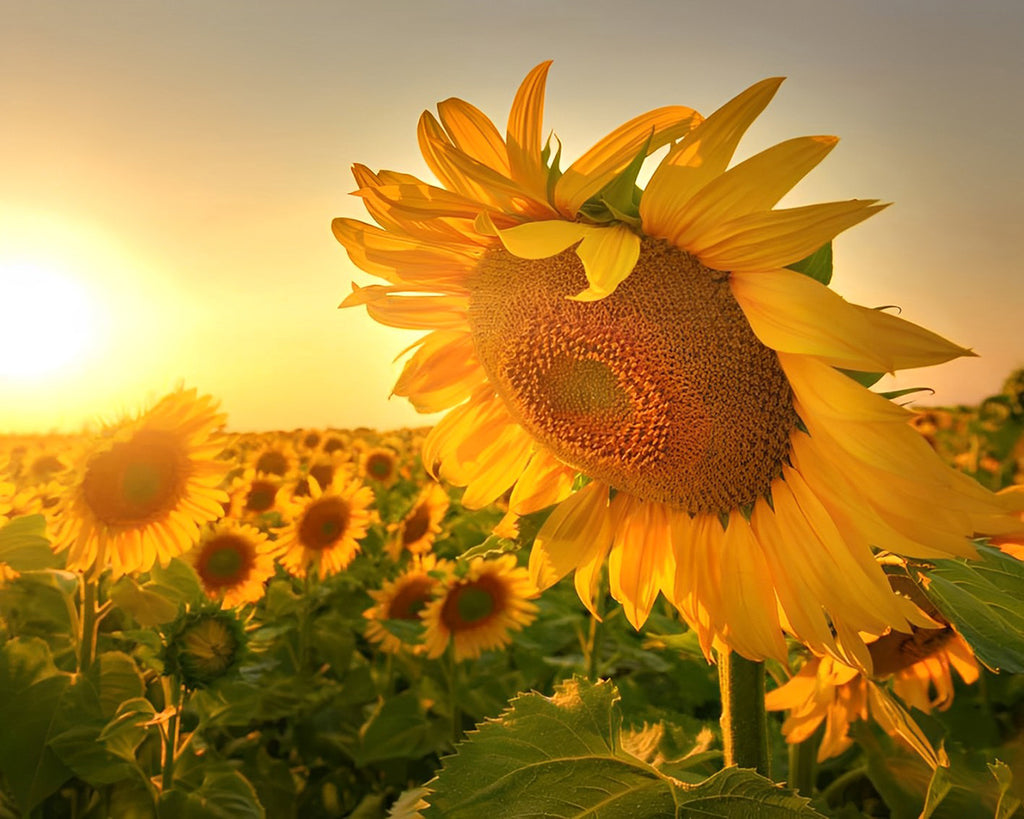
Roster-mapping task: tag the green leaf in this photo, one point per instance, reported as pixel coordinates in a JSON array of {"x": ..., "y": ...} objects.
[
  {"x": 818, "y": 265},
  {"x": 397, "y": 729},
  {"x": 222, "y": 794},
  {"x": 80, "y": 749},
  {"x": 561, "y": 756},
  {"x": 149, "y": 608},
  {"x": 984, "y": 599},
  {"x": 24, "y": 546},
  {"x": 938, "y": 788},
  {"x": 1009, "y": 802},
  {"x": 31, "y": 690},
  {"x": 177, "y": 581},
  {"x": 493, "y": 546},
  {"x": 116, "y": 679}
]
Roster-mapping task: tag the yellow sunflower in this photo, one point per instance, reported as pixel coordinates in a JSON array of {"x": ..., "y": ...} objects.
[
  {"x": 380, "y": 465},
  {"x": 418, "y": 529},
  {"x": 480, "y": 610},
  {"x": 254, "y": 494},
  {"x": 326, "y": 527},
  {"x": 827, "y": 690},
  {"x": 655, "y": 341},
  {"x": 403, "y": 599},
  {"x": 233, "y": 562},
  {"x": 145, "y": 489}
]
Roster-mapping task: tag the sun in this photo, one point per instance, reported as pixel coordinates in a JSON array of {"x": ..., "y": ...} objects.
[{"x": 47, "y": 320}]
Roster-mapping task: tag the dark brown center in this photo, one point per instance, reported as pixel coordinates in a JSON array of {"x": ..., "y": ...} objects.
[{"x": 660, "y": 390}]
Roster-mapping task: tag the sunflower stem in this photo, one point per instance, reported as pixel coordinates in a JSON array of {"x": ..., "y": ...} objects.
[
  {"x": 803, "y": 765},
  {"x": 744, "y": 721},
  {"x": 172, "y": 695},
  {"x": 453, "y": 693},
  {"x": 88, "y": 622}
]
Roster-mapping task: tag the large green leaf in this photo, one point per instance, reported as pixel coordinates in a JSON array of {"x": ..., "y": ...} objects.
[
  {"x": 561, "y": 756},
  {"x": 221, "y": 793},
  {"x": 148, "y": 607},
  {"x": 24, "y": 545},
  {"x": 31, "y": 691},
  {"x": 984, "y": 599}
]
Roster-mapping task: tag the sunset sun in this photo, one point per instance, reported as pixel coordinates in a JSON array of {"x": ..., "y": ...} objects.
[{"x": 47, "y": 320}]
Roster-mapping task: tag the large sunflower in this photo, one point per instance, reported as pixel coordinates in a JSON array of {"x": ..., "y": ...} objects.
[
  {"x": 655, "y": 341},
  {"x": 145, "y": 489}
]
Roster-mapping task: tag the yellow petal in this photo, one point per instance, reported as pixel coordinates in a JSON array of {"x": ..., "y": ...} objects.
[
  {"x": 498, "y": 466},
  {"x": 443, "y": 372},
  {"x": 609, "y": 157},
  {"x": 443, "y": 440},
  {"x": 748, "y": 598},
  {"x": 412, "y": 312},
  {"x": 793, "y": 313},
  {"x": 541, "y": 240},
  {"x": 700, "y": 157},
  {"x": 641, "y": 559},
  {"x": 525, "y": 138},
  {"x": 576, "y": 529},
  {"x": 772, "y": 239},
  {"x": 609, "y": 256},
  {"x": 755, "y": 184},
  {"x": 474, "y": 133},
  {"x": 545, "y": 481}
]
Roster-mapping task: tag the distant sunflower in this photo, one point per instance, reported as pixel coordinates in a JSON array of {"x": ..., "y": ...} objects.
[
  {"x": 403, "y": 599},
  {"x": 145, "y": 489},
  {"x": 254, "y": 494},
  {"x": 233, "y": 562},
  {"x": 655, "y": 341},
  {"x": 480, "y": 610},
  {"x": 380, "y": 465},
  {"x": 275, "y": 458},
  {"x": 418, "y": 529},
  {"x": 326, "y": 527},
  {"x": 826, "y": 690}
]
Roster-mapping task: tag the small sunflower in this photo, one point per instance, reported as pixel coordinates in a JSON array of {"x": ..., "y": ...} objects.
[
  {"x": 274, "y": 458},
  {"x": 657, "y": 341},
  {"x": 145, "y": 489},
  {"x": 380, "y": 465},
  {"x": 480, "y": 610},
  {"x": 418, "y": 529},
  {"x": 253, "y": 494},
  {"x": 827, "y": 690},
  {"x": 204, "y": 646},
  {"x": 322, "y": 469},
  {"x": 326, "y": 527},
  {"x": 233, "y": 562},
  {"x": 403, "y": 599}
]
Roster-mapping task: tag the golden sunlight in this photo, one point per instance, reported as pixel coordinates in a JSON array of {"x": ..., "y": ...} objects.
[{"x": 48, "y": 320}]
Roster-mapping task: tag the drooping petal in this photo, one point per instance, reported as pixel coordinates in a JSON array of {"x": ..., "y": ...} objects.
[
  {"x": 544, "y": 482},
  {"x": 609, "y": 256},
  {"x": 641, "y": 561},
  {"x": 443, "y": 372},
  {"x": 541, "y": 240},
  {"x": 576, "y": 529}
]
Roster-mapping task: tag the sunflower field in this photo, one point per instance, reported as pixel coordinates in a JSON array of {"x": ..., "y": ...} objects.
[
  {"x": 344, "y": 638},
  {"x": 670, "y": 552}
]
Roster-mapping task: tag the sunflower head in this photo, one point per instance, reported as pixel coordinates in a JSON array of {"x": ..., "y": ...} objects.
[
  {"x": 678, "y": 346},
  {"x": 394, "y": 622},
  {"x": 204, "y": 646},
  {"x": 233, "y": 562},
  {"x": 380, "y": 465},
  {"x": 480, "y": 609},
  {"x": 326, "y": 527},
  {"x": 416, "y": 531},
  {"x": 141, "y": 493}
]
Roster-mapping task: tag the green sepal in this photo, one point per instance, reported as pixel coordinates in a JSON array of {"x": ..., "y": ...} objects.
[
  {"x": 818, "y": 265},
  {"x": 862, "y": 378},
  {"x": 619, "y": 200}
]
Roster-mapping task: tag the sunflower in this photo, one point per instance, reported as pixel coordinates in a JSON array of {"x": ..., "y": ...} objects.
[
  {"x": 826, "y": 690},
  {"x": 480, "y": 610},
  {"x": 254, "y": 494},
  {"x": 655, "y": 341},
  {"x": 380, "y": 465},
  {"x": 274, "y": 458},
  {"x": 233, "y": 562},
  {"x": 422, "y": 524},
  {"x": 403, "y": 599},
  {"x": 326, "y": 527},
  {"x": 145, "y": 489}
]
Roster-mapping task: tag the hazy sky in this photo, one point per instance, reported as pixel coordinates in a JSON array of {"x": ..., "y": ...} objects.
[{"x": 180, "y": 163}]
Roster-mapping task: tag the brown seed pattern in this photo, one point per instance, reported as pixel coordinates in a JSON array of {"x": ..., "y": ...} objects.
[{"x": 661, "y": 389}]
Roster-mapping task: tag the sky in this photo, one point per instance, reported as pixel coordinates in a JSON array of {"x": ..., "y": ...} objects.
[{"x": 169, "y": 172}]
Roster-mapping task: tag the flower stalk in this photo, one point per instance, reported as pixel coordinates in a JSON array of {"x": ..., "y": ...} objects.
[{"x": 744, "y": 721}]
